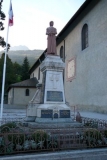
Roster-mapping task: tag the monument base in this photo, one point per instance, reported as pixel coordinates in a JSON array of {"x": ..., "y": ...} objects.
[
  {"x": 54, "y": 125},
  {"x": 51, "y": 120},
  {"x": 56, "y": 112},
  {"x": 52, "y": 107}
]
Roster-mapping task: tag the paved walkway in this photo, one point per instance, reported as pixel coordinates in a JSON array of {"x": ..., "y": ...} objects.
[
  {"x": 14, "y": 113},
  {"x": 93, "y": 115},
  {"x": 90, "y": 154},
  {"x": 21, "y": 113}
]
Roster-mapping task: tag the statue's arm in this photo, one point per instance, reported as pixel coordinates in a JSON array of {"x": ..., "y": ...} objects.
[
  {"x": 54, "y": 32},
  {"x": 51, "y": 31},
  {"x": 47, "y": 31}
]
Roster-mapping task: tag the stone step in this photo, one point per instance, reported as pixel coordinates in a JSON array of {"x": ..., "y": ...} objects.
[{"x": 53, "y": 125}]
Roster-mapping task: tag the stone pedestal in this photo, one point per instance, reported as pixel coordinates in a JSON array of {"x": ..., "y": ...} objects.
[{"x": 52, "y": 98}]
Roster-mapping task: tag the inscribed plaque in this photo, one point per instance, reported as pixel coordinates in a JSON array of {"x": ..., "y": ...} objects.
[
  {"x": 71, "y": 69},
  {"x": 47, "y": 113},
  {"x": 64, "y": 113},
  {"x": 55, "y": 96}
]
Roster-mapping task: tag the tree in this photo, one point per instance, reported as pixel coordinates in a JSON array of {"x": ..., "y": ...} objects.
[
  {"x": 25, "y": 69},
  {"x": 10, "y": 77},
  {"x": 10, "y": 73},
  {"x": 18, "y": 70},
  {"x": 2, "y": 42},
  {"x": 2, "y": 17}
]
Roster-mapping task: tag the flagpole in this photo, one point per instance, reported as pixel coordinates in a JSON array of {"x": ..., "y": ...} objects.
[{"x": 4, "y": 72}]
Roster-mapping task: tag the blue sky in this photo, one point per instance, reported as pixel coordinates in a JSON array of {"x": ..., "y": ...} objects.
[{"x": 32, "y": 17}]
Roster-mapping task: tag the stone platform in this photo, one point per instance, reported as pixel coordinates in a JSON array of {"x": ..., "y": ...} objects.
[
  {"x": 55, "y": 125},
  {"x": 49, "y": 99}
]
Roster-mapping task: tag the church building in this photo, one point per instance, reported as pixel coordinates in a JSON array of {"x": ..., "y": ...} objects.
[{"x": 82, "y": 45}]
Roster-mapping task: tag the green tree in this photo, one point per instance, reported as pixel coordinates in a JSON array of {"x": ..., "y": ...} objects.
[
  {"x": 2, "y": 42},
  {"x": 10, "y": 77},
  {"x": 1, "y": 71},
  {"x": 10, "y": 73},
  {"x": 18, "y": 71},
  {"x": 25, "y": 69},
  {"x": 2, "y": 17}
]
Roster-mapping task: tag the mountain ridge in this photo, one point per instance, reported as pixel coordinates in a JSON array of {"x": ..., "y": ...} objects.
[
  {"x": 20, "y": 47},
  {"x": 19, "y": 55}
]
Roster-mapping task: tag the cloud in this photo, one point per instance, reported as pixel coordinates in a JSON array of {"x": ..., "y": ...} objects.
[
  {"x": 31, "y": 18},
  {"x": 31, "y": 29}
]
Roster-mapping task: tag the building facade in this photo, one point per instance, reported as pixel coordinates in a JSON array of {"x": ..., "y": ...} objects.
[
  {"x": 21, "y": 93},
  {"x": 84, "y": 40},
  {"x": 82, "y": 45}
]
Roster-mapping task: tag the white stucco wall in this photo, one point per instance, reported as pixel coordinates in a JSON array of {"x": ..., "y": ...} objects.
[
  {"x": 10, "y": 96},
  {"x": 35, "y": 74},
  {"x": 89, "y": 86},
  {"x": 19, "y": 97}
]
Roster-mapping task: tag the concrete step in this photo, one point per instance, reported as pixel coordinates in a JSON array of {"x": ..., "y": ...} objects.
[{"x": 54, "y": 125}]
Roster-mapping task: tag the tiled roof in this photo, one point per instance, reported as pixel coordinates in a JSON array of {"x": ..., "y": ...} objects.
[{"x": 27, "y": 83}]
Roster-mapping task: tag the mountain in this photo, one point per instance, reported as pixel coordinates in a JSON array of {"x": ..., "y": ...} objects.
[
  {"x": 20, "y": 47},
  {"x": 19, "y": 55}
]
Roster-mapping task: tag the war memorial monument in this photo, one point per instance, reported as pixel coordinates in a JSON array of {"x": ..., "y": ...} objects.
[{"x": 48, "y": 104}]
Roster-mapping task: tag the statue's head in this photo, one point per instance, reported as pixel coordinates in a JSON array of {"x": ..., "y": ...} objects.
[{"x": 51, "y": 23}]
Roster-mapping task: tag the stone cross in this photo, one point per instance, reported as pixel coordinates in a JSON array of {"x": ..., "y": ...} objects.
[{"x": 54, "y": 79}]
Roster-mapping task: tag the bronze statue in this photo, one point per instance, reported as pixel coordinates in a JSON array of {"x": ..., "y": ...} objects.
[{"x": 51, "y": 39}]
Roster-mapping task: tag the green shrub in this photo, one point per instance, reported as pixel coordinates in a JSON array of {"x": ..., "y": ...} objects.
[
  {"x": 10, "y": 137},
  {"x": 7, "y": 127},
  {"x": 39, "y": 135},
  {"x": 93, "y": 137},
  {"x": 91, "y": 124},
  {"x": 105, "y": 133},
  {"x": 16, "y": 138}
]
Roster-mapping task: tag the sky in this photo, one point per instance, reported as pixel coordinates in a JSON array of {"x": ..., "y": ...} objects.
[{"x": 32, "y": 17}]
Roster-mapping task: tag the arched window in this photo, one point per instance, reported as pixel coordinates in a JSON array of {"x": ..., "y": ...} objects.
[
  {"x": 27, "y": 92},
  {"x": 39, "y": 73},
  {"x": 62, "y": 53},
  {"x": 84, "y": 36}
]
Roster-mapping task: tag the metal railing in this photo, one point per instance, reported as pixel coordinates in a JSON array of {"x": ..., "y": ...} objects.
[
  {"x": 14, "y": 138},
  {"x": 95, "y": 123}
]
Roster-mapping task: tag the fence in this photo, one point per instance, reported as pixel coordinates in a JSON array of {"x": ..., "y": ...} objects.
[
  {"x": 14, "y": 138},
  {"x": 92, "y": 122}
]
